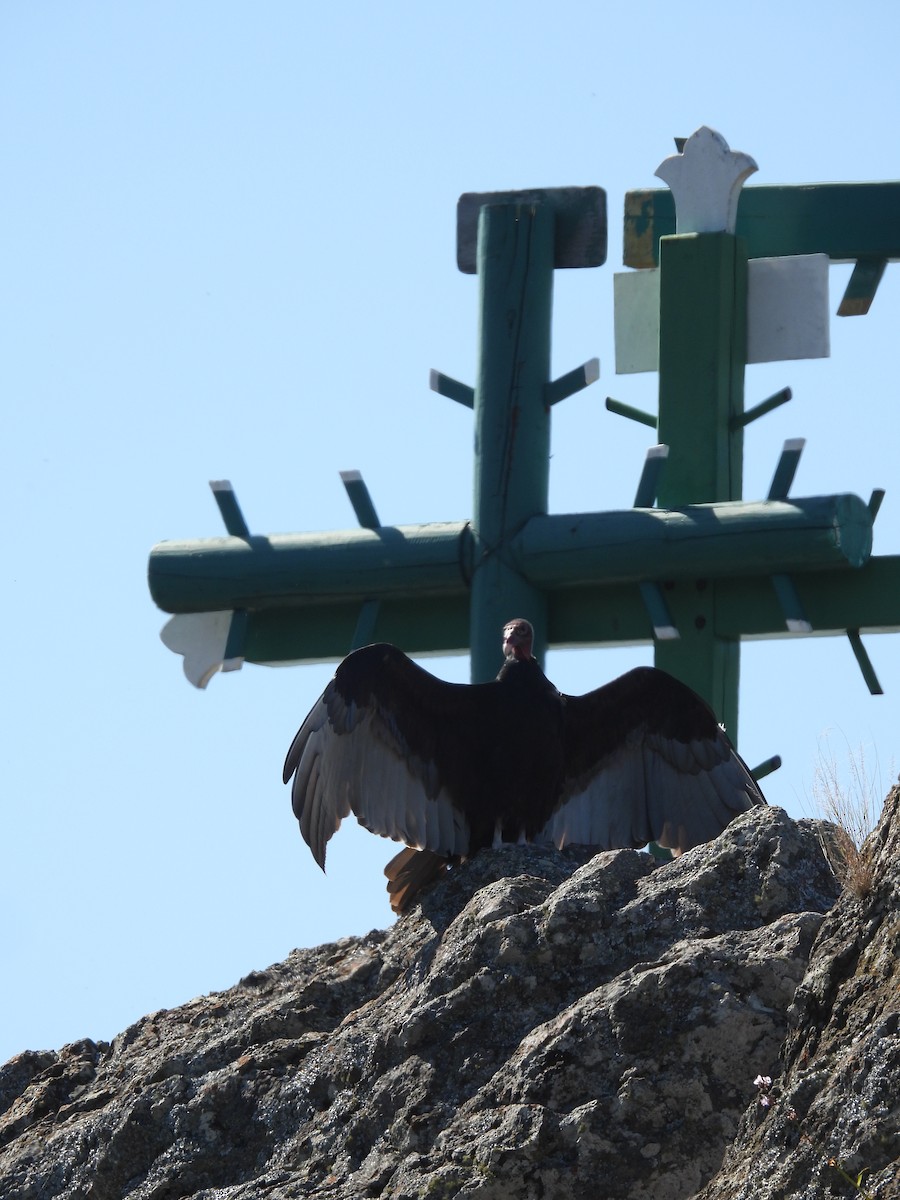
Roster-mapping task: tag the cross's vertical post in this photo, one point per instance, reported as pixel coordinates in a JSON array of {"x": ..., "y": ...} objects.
[
  {"x": 512, "y": 418},
  {"x": 702, "y": 356},
  {"x": 702, "y": 352}
]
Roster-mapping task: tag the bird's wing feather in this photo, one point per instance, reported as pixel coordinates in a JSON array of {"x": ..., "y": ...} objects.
[
  {"x": 388, "y": 742},
  {"x": 647, "y": 761}
]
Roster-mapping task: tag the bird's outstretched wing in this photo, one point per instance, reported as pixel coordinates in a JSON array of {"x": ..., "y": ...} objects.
[
  {"x": 388, "y": 742},
  {"x": 647, "y": 761}
]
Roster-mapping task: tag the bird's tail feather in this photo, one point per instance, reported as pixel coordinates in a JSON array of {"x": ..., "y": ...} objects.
[{"x": 409, "y": 872}]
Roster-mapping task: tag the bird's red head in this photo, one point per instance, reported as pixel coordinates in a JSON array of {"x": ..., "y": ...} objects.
[{"x": 518, "y": 639}]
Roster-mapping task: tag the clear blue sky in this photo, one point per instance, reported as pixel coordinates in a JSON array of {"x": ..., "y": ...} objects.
[{"x": 228, "y": 252}]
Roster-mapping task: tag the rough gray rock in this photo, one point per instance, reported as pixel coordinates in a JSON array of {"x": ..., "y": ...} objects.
[
  {"x": 578, "y": 1027},
  {"x": 837, "y": 1101}
]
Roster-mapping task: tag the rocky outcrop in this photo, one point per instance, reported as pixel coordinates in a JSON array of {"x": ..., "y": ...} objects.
[
  {"x": 542, "y": 1025},
  {"x": 831, "y": 1120}
]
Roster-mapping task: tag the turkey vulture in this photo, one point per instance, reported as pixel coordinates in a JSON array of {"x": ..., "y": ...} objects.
[{"x": 451, "y": 768}]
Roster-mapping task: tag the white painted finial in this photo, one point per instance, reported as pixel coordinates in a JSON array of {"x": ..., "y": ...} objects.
[{"x": 706, "y": 179}]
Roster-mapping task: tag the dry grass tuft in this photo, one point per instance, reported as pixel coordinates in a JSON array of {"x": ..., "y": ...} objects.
[{"x": 853, "y": 806}]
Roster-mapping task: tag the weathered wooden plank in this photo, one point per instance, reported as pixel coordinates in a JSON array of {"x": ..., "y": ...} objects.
[
  {"x": 550, "y": 551},
  {"x": 846, "y": 221},
  {"x": 579, "y": 216},
  {"x": 589, "y": 615}
]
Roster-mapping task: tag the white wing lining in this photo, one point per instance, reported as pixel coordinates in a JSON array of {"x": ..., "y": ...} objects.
[
  {"x": 655, "y": 789},
  {"x": 366, "y": 769}
]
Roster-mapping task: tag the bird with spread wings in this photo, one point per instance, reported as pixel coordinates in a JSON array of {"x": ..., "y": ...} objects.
[{"x": 450, "y": 769}]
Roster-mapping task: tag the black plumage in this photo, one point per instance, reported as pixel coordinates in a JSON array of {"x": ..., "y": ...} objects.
[{"x": 450, "y": 769}]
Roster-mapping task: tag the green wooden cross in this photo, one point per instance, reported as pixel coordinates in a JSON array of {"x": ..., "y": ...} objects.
[{"x": 694, "y": 575}]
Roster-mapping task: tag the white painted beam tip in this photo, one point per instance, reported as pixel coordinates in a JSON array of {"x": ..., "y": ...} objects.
[
  {"x": 796, "y": 625},
  {"x": 666, "y": 633}
]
